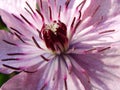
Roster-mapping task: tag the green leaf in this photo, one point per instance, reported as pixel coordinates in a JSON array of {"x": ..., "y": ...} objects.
[
  {"x": 2, "y": 25},
  {"x": 3, "y": 78}
]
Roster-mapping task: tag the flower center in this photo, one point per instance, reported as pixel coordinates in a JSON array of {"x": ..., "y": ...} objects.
[{"x": 55, "y": 36}]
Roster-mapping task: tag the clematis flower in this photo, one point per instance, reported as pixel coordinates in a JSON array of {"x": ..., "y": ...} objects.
[{"x": 61, "y": 45}]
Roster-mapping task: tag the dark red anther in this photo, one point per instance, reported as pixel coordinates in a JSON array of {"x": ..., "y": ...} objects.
[
  {"x": 49, "y": 39},
  {"x": 62, "y": 28},
  {"x": 55, "y": 36}
]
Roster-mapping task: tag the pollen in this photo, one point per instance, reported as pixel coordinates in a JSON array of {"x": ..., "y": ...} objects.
[{"x": 53, "y": 27}]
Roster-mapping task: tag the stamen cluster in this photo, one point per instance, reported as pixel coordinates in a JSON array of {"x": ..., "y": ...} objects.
[{"x": 55, "y": 36}]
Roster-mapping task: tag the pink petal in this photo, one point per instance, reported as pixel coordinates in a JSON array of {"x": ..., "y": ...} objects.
[
  {"x": 23, "y": 81},
  {"x": 17, "y": 23},
  {"x": 15, "y": 6},
  {"x": 48, "y": 77},
  {"x": 98, "y": 9},
  {"x": 5, "y": 39},
  {"x": 115, "y": 8},
  {"x": 104, "y": 71},
  {"x": 16, "y": 54},
  {"x": 108, "y": 31}
]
